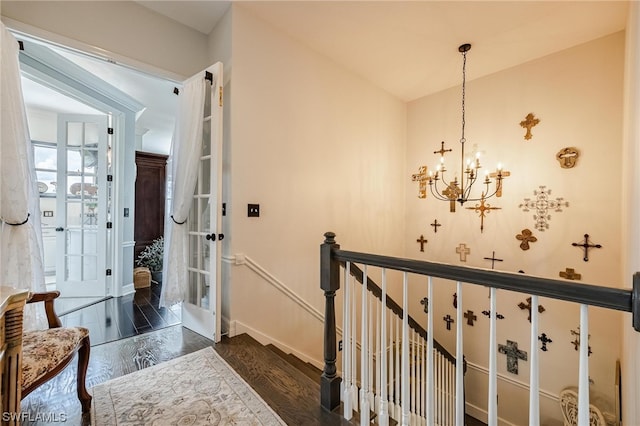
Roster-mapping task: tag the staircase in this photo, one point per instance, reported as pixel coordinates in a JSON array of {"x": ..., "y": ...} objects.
[{"x": 290, "y": 386}]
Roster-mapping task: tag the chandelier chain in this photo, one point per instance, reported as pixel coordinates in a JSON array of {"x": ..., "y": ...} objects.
[{"x": 464, "y": 79}]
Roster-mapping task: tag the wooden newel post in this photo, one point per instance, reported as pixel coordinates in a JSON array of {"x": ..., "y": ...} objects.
[{"x": 329, "y": 283}]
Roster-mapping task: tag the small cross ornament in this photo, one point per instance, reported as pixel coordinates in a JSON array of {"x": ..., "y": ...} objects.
[
  {"x": 544, "y": 339},
  {"x": 425, "y": 302},
  {"x": 463, "y": 251},
  {"x": 576, "y": 341},
  {"x": 513, "y": 355},
  {"x": 493, "y": 259},
  {"x": 448, "y": 320},
  {"x": 488, "y": 315},
  {"x": 568, "y": 157},
  {"x": 422, "y": 178},
  {"x": 469, "y": 315},
  {"x": 455, "y": 300},
  {"x": 586, "y": 247},
  {"x": 526, "y": 237},
  {"x": 570, "y": 274},
  {"x": 442, "y": 151},
  {"x": 422, "y": 242},
  {"x": 529, "y": 122},
  {"x": 435, "y": 225},
  {"x": 522, "y": 306}
]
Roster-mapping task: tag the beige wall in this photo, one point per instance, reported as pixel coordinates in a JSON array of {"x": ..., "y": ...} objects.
[
  {"x": 577, "y": 94},
  {"x": 320, "y": 150}
]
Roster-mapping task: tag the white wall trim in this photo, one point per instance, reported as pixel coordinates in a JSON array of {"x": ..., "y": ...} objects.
[
  {"x": 240, "y": 328},
  {"x": 482, "y": 415},
  {"x": 128, "y": 244},
  {"x": 241, "y": 259},
  {"x": 127, "y": 289},
  {"x": 514, "y": 382}
]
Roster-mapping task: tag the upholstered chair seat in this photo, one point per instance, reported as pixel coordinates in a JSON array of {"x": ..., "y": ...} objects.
[{"x": 45, "y": 353}]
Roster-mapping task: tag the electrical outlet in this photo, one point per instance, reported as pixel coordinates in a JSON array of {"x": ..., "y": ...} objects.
[{"x": 253, "y": 210}]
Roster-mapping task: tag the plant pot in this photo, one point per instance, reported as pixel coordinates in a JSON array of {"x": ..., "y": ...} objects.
[{"x": 157, "y": 276}]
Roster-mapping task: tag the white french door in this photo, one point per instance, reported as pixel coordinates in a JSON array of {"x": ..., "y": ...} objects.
[
  {"x": 201, "y": 307},
  {"x": 81, "y": 205}
]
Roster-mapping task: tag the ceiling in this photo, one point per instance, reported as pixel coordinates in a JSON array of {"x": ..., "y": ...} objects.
[{"x": 408, "y": 48}]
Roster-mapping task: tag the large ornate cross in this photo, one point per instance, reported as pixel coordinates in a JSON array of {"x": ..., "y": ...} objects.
[
  {"x": 483, "y": 208},
  {"x": 452, "y": 192},
  {"x": 513, "y": 355},
  {"x": 422, "y": 178},
  {"x": 586, "y": 247},
  {"x": 542, "y": 204},
  {"x": 529, "y": 122},
  {"x": 526, "y": 236}
]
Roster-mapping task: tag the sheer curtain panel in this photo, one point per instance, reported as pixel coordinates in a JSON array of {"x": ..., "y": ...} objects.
[
  {"x": 21, "y": 250},
  {"x": 186, "y": 148}
]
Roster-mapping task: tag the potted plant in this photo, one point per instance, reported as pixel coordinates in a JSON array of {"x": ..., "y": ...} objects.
[{"x": 151, "y": 257}]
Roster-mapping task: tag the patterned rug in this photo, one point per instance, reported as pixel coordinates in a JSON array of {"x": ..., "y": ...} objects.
[{"x": 195, "y": 389}]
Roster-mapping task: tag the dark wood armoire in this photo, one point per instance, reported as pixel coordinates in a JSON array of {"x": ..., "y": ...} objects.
[{"x": 150, "y": 199}]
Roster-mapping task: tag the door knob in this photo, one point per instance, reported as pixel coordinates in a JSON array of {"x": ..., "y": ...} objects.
[
  {"x": 220, "y": 237},
  {"x": 210, "y": 237},
  {"x": 59, "y": 229}
]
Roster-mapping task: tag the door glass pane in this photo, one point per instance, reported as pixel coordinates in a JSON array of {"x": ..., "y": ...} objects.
[
  {"x": 206, "y": 137},
  {"x": 193, "y": 216},
  {"x": 90, "y": 216},
  {"x": 75, "y": 134},
  {"x": 74, "y": 214},
  {"x": 90, "y": 271},
  {"x": 204, "y": 292},
  {"x": 73, "y": 268},
  {"x": 192, "y": 297},
  {"x": 194, "y": 241},
  {"x": 90, "y": 242},
  {"x": 74, "y": 160},
  {"x": 205, "y": 220},
  {"x": 49, "y": 181},
  {"x": 205, "y": 176},
  {"x": 91, "y": 135},
  {"x": 207, "y": 101},
  {"x": 74, "y": 242},
  {"x": 90, "y": 161},
  {"x": 45, "y": 157}
]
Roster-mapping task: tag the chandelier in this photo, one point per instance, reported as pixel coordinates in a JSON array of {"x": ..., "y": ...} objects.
[{"x": 460, "y": 190}]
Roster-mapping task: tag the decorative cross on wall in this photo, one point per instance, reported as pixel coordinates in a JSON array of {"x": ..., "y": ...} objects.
[
  {"x": 576, "y": 341},
  {"x": 470, "y": 317},
  {"x": 503, "y": 174},
  {"x": 493, "y": 259},
  {"x": 568, "y": 157},
  {"x": 544, "y": 339},
  {"x": 488, "y": 315},
  {"x": 521, "y": 305},
  {"x": 570, "y": 274},
  {"x": 435, "y": 225},
  {"x": 483, "y": 208},
  {"x": 442, "y": 151},
  {"x": 529, "y": 122},
  {"x": 542, "y": 204},
  {"x": 463, "y": 251},
  {"x": 455, "y": 300},
  {"x": 421, "y": 177},
  {"x": 425, "y": 302},
  {"x": 422, "y": 242},
  {"x": 526, "y": 237},
  {"x": 452, "y": 193},
  {"x": 448, "y": 320},
  {"x": 513, "y": 355},
  {"x": 586, "y": 247}
]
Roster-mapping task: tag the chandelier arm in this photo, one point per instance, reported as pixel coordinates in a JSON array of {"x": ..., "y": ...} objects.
[{"x": 434, "y": 191}]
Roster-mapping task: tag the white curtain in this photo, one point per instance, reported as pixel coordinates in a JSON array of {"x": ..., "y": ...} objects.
[
  {"x": 21, "y": 250},
  {"x": 186, "y": 148}
]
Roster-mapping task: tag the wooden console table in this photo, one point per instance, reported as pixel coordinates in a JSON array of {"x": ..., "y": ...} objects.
[{"x": 12, "y": 303}]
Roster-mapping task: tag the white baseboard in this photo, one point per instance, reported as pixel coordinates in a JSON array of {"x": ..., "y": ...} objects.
[
  {"x": 127, "y": 289},
  {"x": 483, "y": 415},
  {"x": 239, "y": 328}
]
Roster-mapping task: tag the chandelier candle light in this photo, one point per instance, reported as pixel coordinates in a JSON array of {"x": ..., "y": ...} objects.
[{"x": 469, "y": 168}]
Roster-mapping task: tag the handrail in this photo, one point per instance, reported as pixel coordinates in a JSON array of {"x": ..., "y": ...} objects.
[
  {"x": 393, "y": 305},
  {"x": 595, "y": 295}
]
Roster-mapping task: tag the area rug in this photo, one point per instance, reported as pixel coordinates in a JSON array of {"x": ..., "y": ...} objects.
[{"x": 195, "y": 389}]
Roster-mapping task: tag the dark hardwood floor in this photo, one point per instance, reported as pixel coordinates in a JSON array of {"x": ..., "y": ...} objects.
[{"x": 131, "y": 333}]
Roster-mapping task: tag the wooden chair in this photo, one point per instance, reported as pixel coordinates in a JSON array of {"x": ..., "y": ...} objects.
[{"x": 45, "y": 353}]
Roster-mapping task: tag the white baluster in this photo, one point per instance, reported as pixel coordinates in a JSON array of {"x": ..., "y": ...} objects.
[
  {"x": 430, "y": 385},
  {"x": 392, "y": 374},
  {"x": 376, "y": 406},
  {"x": 583, "y": 381},
  {"x": 346, "y": 346},
  {"x": 493, "y": 384},
  {"x": 371, "y": 396},
  {"x": 405, "y": 349},
  {"x": 354, "y": 340},
  {"x": 459, "y": 402},
  {"x": 413, "y": 374},
  {"x": 364, "y": 355},
  {"x": 534, "y": 387},
  {"x": 383, "y": 412},
  {"x": 398, "y": 414}
]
